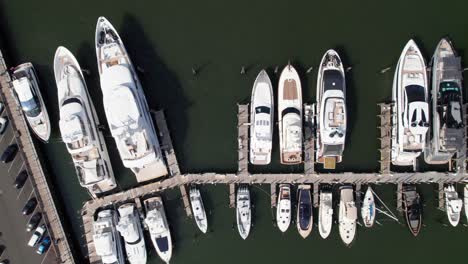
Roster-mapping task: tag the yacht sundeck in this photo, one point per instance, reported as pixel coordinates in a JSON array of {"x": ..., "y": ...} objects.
[
  {"x": 325, "y": 219},
  {"x": 453, "y": 205},
  {"x": 107, "y": 241},
  {"x": 290, "y": 116},
  {"x": 198, "y": 209},
  {"x": 158, "y": 227},
  {"x": 29, "y": 98},
  {"x": 331, "y": 107},
  {"x": 368, "y": 208},
  {"x": 411, "y": 110},
  {"x": 283, "y": 208},
  {"x": 126, "y": 107},
  {"x": 304, "y": 211},
  {"x": 261, "y": 120},
  {"x": 130, "y": 229},
  {"x": 412, "y": 208},
  {"x": 78, "y": 126},
  {"x": 347, "y": 215}
]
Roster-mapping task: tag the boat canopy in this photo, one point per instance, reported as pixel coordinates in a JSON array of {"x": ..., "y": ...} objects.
[
  {"x": 163, "y": 243},
  {"x": 28, "y": 101},
  {"x": 451, "y": 68},
  {"x": 333, "y": 80},
  {"x": 415, "y": 93}
]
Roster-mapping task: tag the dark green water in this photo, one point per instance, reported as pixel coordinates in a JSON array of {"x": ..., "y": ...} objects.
[{"x": 167, "y": 38}]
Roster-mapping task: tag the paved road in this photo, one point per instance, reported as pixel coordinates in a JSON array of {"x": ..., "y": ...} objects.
[{"x": 13, "y": 235}]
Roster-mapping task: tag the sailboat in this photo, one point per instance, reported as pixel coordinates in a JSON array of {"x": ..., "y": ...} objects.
[
  {"x": 413, "y": 208},
  {"x": 453, "y": 205},
  {"x": 198, "y": 209},
  {"x": 78, "y": 126},
  {"x": 411, "y": 109},
  {"x": 347, "y": 215},
  {"x": 126, "y": 107},
  {"x": 325, "y": 220},
  {"x": 290, "y": 116},
  {"x": 261, "y": 120},
  {"x": 368, "y": 208},
  {"x": 106, "y": 238},
  {"x": 130, "y": 229},
  {"x": 156, "y": 222},
  {"x": 331, "y": 106},
  {"x": 283, "y": 208},
  {"x": 304, "y": 211},
  {"x": 243, "y": 212},
  {"x": 448, "y": 131}
]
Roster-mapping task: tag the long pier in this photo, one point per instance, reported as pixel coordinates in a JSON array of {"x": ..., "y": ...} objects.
[{"x": 32, "y": 160}]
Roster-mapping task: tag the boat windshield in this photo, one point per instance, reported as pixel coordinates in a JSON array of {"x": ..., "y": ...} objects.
[
  {"x": 262, "y": 109},
  {"x": 31, "y": 107},
  {"x": 162, "y": 243},
  {"x": 415, "y": 93},
  {"x": 291, "y": 110}
]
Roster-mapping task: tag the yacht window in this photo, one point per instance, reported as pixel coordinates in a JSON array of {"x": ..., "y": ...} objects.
[
  {"x": 415, "y": 93},
  {"x": 262, "y": 109},
  {"x": 31, "y": 107}
]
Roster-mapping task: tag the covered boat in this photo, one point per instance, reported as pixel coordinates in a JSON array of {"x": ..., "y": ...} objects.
[{"x": 304, "y": 211}]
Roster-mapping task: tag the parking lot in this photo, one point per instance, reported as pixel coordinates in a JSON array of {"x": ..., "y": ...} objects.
[{"x": 13, "y": 235}]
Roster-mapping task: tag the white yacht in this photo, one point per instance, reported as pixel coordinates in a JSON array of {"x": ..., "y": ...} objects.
[
  {"x": 261, "y": 120},
  {"x": 290, "y": 116},
  {"x": 243, "y": 211},
  {"x": 283, "y": 208},
  {"x": 325, "y": 220},
  {"x": 304, "y": 216},
  {"x": 107, "y": 241},
  {"x": 126, "y": 107},
  {"x": 446, "y": 137},
  {"x": 410, "y": 110},
  {"x": 198, "y": 209},
  {"x": 453, "y": 205},
  {"x": 347, "y": 215},
  {"x": 158, "y": 227},
  {"x": 130, "y": 229},
  {"x": 29, "y": 98},
  {"x": 78, "y": 126},
  {"x": 368, "y": 208},
  {"x": 331, "y": 108}
]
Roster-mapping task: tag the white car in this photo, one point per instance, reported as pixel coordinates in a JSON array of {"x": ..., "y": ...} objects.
[
  {"x": 3, "y": 124},
  {"x": 37, "y": 236}
]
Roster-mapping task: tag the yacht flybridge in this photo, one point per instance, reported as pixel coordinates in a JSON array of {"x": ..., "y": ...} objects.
[
  {"x": 130, "y": 229},
  {"x": 261, "y": 120},
  {"x": 331, "y": 108},
  {"x": 29, "y": 98},
  {"x": 290, "y": 116},
  {"x": 448, "y": 132},
  {"x": 106, "y": 239},
  {"x": 78, "y": 126},
  {"x": 158, "y": 227},
  {"x": 411, "y": 110},
  {"x": 125, "y": 106}
]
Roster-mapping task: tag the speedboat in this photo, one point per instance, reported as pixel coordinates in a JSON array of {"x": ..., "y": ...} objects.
[
  {"x": 331, "y": 107},
  {"x": 347, "y": 215},
  {"x": 243, "y": 211},
  {"x": 29, "y": 98},
  {"x": 448, "y": 132},
  {"x": 325, "y": 219},
  {"x": 158, "y": 227},
  {"x": 126, "y": 107},
  {"x": 411, "y": 109},
  {"x": 290, "y": 116},
  {"x": 304, "y": 211},
  {"x": 261, "y": 120},
  {"x": 453, "y": 205},
  {"x": 413, "y": 208},
  {"x": 283, "y": 208},
  {"x": 107, "y": 241},
  {"x": 130, "y": 229},
  {"x": 368, "y": 208},
  {"x": 198, "y": 209},
  {"x": 78, "y": 126}
]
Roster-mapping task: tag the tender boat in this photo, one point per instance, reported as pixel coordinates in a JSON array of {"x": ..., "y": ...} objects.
[
  {"x": 368, "y": 208},
  {"x": 198, "y": 209},
  {"x": 29, "y": 98},
  {"x": 325, "y": 219},
  {"x": 283, "y": 208},
  {"x": 261, "y": 120},
  {"x": 304, "y": 211},
  {"x": 78, "y": 126},
  {"x": 107, "y": 241},
  {"x": 156, "y": 222},
  {"x": 410, "y": 110},
  {"x": 130, "y": 229},
  {"x": 448, "y": 132},
  {"x": 347, "y": 215},
  {"x": 331, "y": 108},
  {"x": 126, "y": 107},
  {"x": 453, "y": 205},
  {"x": 290, "y": 116},
  {"x": 243, "y": 211},
  {"x": 413, "y": 208}
]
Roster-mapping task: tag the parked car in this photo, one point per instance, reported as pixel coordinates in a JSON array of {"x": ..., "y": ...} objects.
[
  {"x": 37, "y": 235},
  {"x": 43, "y": 246},
  {"x": 3, "y": 124},
  {"x": 34, "y": 221},
  {"x": 9, "y": 153},
  {"x": 29, "y": 206},
  {"x": 21, "y": 179}
]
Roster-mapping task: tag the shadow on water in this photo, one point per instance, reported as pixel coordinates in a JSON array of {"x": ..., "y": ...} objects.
[{"x": 7, "y": 50}]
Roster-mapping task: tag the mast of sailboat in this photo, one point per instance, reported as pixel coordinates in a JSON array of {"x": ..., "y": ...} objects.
[{"x": 391, "y": 214}]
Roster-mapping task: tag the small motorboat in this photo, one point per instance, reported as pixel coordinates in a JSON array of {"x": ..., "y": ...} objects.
[
  {"x": 304, "y": 211},
  {"x": 347, "y": 215},
  {"x": 158, "y": 227},
  {"x": 283, "y": 208},
  {"x": 368, "y": 208},
  {"x": 199, "y": 213},
  {"x": 243, "y": 211},
  {"x": 453, "y": 205},
  {"x": 413, "y": 208},
  {"x": 325, "y": 220}
]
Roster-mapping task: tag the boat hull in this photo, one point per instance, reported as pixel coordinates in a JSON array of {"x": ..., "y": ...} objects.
[
  {"x": 368, "y": 208},
  {"x": 304, "y": 215},
  {"x": 243, "y": 212},
  {"x": 325, "y": 221},
  {"x": 347, "y": 215},
  {"x": 198, "y": 209},
  {"x": 283, "y": 209}
]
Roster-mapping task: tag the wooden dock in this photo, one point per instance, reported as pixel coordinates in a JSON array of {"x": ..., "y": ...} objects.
[
  {"x": 273, "y": 195},
  {"x": 232, "y": 195},
  {"x": 309, "y": 139},
  {"x": 385, "y": 137},
  {"x": 440, "y": 195},
  {"x": 243, "y": 139},
  {"x": 316, "y": 195},
  {"x": 60, "y": 245}
]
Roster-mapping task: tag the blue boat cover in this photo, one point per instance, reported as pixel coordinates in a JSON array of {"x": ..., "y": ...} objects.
[
  {"x": 162, "y": 243},
  {"x": 305, "y": 209}
]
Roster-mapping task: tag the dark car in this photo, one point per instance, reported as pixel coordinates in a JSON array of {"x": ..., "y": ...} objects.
[
  {"x": 29, "y": 206},
  {"x": 43, "y": 246},
  {"x": 21, "y": 179},
  {"x": 9, "y": 153},
  {"x": 34, "y": 221}
]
